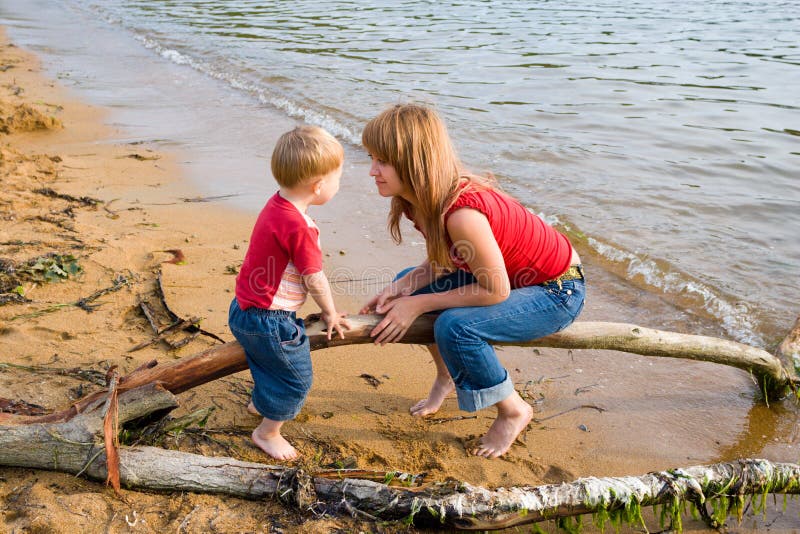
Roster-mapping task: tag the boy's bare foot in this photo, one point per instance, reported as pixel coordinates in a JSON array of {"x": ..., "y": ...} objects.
[
  {"x": 252, "y": 408},
  {"x": 268, "y": 437},
  {"x": 439, "y": 391},
  {"x": 513, "y": 415},
  {"x": 276, "y": 446}
]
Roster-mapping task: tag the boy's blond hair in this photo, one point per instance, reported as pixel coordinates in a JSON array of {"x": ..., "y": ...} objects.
[{"x": 304, "y": 153}]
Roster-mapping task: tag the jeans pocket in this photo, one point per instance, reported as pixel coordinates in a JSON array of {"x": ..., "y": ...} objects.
[
  {"x": 575, "y": 292},
  {"x": 569, "y": 295},
  {"x": 295, "y": 350},
  {"x": 290, "y": 333}
]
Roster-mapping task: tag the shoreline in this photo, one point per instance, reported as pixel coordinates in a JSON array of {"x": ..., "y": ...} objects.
[{"x": 145, "y": 217}]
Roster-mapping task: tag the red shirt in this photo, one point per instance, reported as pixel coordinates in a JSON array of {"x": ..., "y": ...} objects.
[
  {"x": 284, "y": 246},
  {"x": 532, "y": 250}
]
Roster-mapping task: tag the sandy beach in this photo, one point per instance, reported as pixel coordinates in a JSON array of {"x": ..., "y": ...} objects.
[{"x": 113, "y": 211}]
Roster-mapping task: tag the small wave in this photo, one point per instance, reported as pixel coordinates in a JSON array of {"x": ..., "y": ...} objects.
[
  {"x": 551, "y": 220},
  {"x": 175, "y": 57},
  {"x": 735, "y": 318},
  {"x": 264, "y": 96}
]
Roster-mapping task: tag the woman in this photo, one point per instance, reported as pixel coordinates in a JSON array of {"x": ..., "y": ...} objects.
[{"x": 497, "y": 271}]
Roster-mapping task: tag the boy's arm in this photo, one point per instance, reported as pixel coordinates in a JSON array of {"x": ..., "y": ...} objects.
[
  {"x": 320, "y": 290},
  {"x": 306, "y": 255}
]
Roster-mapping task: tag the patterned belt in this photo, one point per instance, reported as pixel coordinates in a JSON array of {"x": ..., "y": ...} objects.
[{"x": 575, "y": 272}]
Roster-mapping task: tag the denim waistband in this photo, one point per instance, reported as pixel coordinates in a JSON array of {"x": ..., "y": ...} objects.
[{"x": 270, "y": 313}]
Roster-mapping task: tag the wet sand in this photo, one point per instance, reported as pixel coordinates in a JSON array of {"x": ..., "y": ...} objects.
[{"x": 658, "y": 413}]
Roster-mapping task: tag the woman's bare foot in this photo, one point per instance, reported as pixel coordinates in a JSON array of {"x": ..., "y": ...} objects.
[
  {"x": 440, "y": 389},
  {"x": 513, "y": 415},
  {"x": 252, "y": 408},
  {"x": 268, "y": 437}
]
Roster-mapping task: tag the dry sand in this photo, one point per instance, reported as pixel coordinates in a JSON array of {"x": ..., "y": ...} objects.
[{"x": 49, "y": 140}]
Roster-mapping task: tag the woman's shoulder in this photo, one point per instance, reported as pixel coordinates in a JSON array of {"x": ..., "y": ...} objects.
[{"x": 476, "y": 192}]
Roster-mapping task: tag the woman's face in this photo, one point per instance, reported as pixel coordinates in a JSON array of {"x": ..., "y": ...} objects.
[{"x": 386, "y": 179}]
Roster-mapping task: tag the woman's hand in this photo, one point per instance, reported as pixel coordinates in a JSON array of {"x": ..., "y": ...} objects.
[
  {"x": 336, "y": 322},
  {"x": 389, "y": 293},
  {"x": 401, "y": 312}
]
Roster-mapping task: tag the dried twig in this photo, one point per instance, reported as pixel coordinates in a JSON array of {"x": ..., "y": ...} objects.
[
  {"x": 83, "y": 303},
  {"x": 166, "y": 323},
  {"x": 139, "y": 157},
  {"x": 592, "y": 406},
  {"x": 21, "y": 407},
  {"x": 168, "y": 331},
  {"x": 440, "y": 420},
  {"x": 86, "y": 201},
  {"x": 111, "y": 431},
  {"x": 89, "y": 375},
  {"x": 209, "y": 199},
  {"x": 371, "y": 380}
]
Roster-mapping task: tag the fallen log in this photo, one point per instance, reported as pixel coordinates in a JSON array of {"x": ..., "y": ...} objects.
[
  {"x": 181, "y": 375},
  {"x": 770, "y": 371},
  {"x": 76, "y": 446}
]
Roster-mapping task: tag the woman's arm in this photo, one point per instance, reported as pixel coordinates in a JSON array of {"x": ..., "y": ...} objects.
[
  {"x": 475, "y": 243},
  {"x": 418, "y": 277}
]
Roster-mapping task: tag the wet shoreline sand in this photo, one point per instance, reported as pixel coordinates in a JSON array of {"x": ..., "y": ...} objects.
[{"x": 347, "y": 421}]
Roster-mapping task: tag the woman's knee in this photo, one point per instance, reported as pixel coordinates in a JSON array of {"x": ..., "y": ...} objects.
[{"x": 450, "y": 328}]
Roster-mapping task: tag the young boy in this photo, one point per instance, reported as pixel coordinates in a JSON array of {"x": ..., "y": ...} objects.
[{"x": 282, "y": 265}]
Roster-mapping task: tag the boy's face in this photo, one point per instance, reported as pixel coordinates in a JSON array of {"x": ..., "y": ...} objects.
[{"x": 328, "y": 186}]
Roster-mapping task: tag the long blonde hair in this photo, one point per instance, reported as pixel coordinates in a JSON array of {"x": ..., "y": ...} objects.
[{"x": 414, "y": 140}]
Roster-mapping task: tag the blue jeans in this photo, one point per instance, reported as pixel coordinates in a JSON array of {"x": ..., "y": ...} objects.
[
  {"x": 279, "y": 357},
  {"x": 463, "y": 335}
]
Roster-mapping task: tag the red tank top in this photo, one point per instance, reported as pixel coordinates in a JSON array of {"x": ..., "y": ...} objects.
[{"x": 532, "y": 250}]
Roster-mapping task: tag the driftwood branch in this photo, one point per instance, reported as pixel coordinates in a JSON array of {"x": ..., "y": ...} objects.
[
  {"x": 774, "y": 375},
  {"x": 76, "y": 446},
  {"x": 229, "y": 358}
]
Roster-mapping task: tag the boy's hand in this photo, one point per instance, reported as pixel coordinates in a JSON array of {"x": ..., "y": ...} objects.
[{"x": 336, "y": 322}]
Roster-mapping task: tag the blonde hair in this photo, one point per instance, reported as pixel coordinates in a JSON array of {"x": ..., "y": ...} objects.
[
  {"x": 304, "y": 153},
  {"x": 414, "y": 140}
]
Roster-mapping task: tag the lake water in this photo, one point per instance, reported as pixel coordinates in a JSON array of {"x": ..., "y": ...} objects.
[{"x": 664, "y": 137}]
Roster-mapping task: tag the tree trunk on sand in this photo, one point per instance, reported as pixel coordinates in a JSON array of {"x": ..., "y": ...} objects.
[
  {"x": 767, "y": 368},
  {"x": 76, "y": 446},
  {"x": 179, "y": 376}
]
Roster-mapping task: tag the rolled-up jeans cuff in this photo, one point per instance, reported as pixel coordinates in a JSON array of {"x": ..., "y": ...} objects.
[{"x": 472, "y": 400}]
